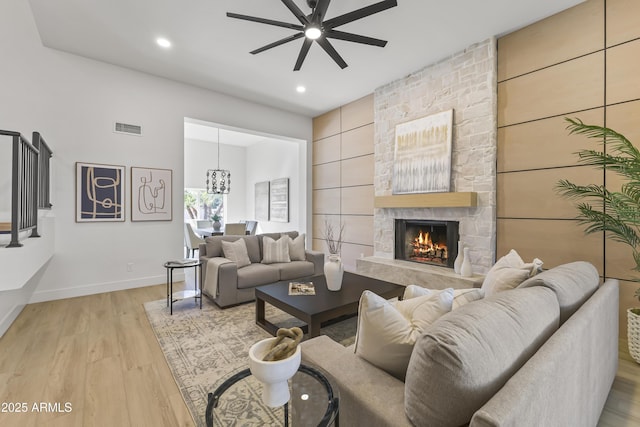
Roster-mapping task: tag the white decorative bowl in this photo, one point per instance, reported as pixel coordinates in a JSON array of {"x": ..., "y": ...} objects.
[{"x": 274, "y": 376}]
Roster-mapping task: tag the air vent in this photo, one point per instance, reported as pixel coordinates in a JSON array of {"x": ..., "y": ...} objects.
[{"x": 128, "y": 129}]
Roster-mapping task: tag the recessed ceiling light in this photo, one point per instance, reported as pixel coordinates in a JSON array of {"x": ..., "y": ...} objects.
[
  {"x": 163, "y": 42},
  {"x": 301, "y": 89}
]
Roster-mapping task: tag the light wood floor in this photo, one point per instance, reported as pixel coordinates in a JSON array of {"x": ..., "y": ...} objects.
[{"x": 99, "y": 354}]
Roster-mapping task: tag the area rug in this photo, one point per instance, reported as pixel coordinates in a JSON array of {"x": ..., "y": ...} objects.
[{"x": 203, "y": 347}]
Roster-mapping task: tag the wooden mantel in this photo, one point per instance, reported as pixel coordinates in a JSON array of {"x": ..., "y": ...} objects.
[{"x": 428, "y": 200}]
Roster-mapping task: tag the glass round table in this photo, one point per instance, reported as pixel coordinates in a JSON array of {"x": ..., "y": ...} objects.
[{"x": 237, "y": 400}]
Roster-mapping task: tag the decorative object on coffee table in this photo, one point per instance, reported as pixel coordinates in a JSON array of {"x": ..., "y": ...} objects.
[
  {"x": 613, "y": 212},
  {"x": 333, "y": 268},
  {"x": 272, "y": 372},
  {"x": 333, "y": 272}
]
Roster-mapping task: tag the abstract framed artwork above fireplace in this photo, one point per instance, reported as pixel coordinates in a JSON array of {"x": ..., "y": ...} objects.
[{"x": 426, "y": 241}]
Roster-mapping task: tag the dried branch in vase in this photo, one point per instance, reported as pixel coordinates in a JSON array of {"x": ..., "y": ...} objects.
[{"x": 334, "y": 244}]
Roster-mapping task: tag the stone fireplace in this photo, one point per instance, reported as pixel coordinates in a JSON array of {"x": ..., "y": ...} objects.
[
  {"x": 427, "y": 242},
  {"x": 465, "y": 82}
]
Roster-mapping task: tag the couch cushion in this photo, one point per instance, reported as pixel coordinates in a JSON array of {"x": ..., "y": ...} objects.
[
  {"x": 294, "y": 269},
  {"x": 275, "y": 250},
  {"x": 573, "y": 284},
  {"x": 387, "y": 331},
  {"x": 214, "y": 246},
  {"x": 508, "y": 272},
  {"x": 296, "y": 248},
  {"x": 256, "y": 275},
  {"x": 467, "y": 355},
  {"x": 460, "y": 296},
  {"x": 236, "y": 251}
]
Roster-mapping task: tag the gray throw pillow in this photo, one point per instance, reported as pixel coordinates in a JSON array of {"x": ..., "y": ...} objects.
[
  {"x": 296, "y": 248},
  {"x": 236, "y": 251}
]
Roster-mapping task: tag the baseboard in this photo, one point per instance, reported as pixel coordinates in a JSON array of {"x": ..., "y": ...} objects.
[
  {"x": 99, "y": 288},
  {"x": 8, "y": 319}
]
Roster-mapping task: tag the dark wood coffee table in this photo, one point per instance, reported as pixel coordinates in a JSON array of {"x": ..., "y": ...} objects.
[{"x": 325, "y": 305}]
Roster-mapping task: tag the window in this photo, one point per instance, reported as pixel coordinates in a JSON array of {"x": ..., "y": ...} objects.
[{"x": 198, "y": 204}]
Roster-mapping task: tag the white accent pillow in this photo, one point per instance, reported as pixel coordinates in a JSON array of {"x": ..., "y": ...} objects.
[
  {"x": 275, "y": 250},
  {"x": 508, "y": 272},
  {"x": 460, "y": 296},
  {"x": 296, "y": 248},
  {"x": 236, "y": 251},
  {"x": 387, "y": 331}
]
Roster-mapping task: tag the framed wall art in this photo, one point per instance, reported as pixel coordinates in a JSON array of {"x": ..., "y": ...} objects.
[
  {"x": 151, "y": 191},
  {"x": 262, "y": 200},
  {"x": 99, "y": 192},
  {"x": 279, "y": 200},
  {"x": 422, "y": 156}
]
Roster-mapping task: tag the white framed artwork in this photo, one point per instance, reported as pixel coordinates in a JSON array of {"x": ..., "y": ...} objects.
[{"x": 422, "y": 156}]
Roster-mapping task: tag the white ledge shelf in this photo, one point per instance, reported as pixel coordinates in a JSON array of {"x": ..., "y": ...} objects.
[{"x": 428, "y": 200}]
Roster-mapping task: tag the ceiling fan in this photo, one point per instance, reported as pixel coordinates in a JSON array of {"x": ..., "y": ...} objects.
[{"x": 314, "y": 27}]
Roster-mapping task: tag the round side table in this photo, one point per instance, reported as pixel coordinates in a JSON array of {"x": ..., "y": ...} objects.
[
  {"x": 172, "y": 297},
  {"x": 238, "y": 399}
]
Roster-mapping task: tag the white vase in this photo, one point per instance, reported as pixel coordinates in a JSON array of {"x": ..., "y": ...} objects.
[
  {"x": 333, "y": 271},
  {"x": 466, "y": 269},
  {"x": 274, "y": 375},
  {"x": 457, "y": 264}
]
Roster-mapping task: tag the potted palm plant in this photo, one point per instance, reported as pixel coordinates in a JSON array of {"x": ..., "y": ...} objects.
[{"x": 616, "y": 213}]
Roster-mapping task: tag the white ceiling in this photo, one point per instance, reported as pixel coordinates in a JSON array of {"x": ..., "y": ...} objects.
[
  {"x": 199, "y": 130},
  {"x": 211, "y": 50}
]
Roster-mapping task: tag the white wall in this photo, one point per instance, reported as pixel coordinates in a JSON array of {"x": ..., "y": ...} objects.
[
  {"x": 272, "y": 160},
  {"x": 73, "y": 102}
]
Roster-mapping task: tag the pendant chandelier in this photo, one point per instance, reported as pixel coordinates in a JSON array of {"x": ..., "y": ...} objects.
[{"x": 218, "y": 180}]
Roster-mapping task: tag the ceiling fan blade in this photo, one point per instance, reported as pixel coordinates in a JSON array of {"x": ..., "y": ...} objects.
[
  {"x": 356, "y": 38},
  {"x": 360, "y": 13},
  {"x": 296, "y": 11},
  {"x": 320, "y": 11},
  {"x": 303, "y": 54},
  {"x": 278, "y": 43},
  {"x": 265, "y": 21},
  {"x": 324, "y": 43}
]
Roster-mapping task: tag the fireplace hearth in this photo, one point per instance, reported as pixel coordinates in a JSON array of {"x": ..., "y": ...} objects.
[{"x": 426, "y": 242}]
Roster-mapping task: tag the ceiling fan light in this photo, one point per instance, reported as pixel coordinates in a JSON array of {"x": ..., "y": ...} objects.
[{"x": 312, "y": 32}]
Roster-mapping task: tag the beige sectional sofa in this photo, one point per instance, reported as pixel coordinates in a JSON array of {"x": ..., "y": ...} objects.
[
  {"x": 233, "y": 285},
  {"x": 543, "y": 354}
]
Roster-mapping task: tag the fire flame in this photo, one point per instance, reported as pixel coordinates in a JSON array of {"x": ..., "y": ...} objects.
[{"x": 424, "y": 246}]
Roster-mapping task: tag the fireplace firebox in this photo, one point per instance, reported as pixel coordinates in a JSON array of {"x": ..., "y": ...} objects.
[{"x": 427, "y": 242}]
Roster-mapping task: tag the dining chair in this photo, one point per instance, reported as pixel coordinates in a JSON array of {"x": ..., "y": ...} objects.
[
  {"x": 252, "y": 227},
  {"x": 204, "y": 223},
  {"x": 191, "y": 239},
  {"x": 235, "y": 229}
]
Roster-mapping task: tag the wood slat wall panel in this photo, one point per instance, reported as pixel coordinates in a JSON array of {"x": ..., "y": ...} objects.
[
  {"x": 543, "y": 143},
  {"x": 357, "y": 200},
  {"x": 623, "y": 21},
  {"x": 574, "y": 32},
  {"x": 326, "y": 150},
  {"x": 555, "y": 242},
  {"x": 623, "y": 79},
  {"x": 326, "y": 125},
  {"x": 326, "y": 175},
  {"x": 358, "y": 228},
  {"x": 570, "y": 86},
  {"x": 357, "y": 142},
  {"x": 357, "y": 113},
  {"x": 532, "y": 194},
  {"x": 351, "y": 252},
  {"x": 624, "y": 119},
  {"x": 326, "y": 202},
  {"x": 357, "y": 171}
]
